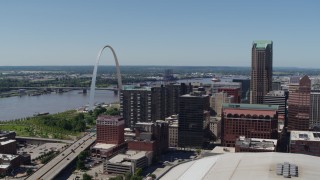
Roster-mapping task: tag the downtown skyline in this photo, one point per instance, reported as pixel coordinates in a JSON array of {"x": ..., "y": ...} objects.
[{"x": 180, "y": 33}]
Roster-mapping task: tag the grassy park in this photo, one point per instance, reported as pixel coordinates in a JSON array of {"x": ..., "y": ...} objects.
[{"x": 65, "y": 125}]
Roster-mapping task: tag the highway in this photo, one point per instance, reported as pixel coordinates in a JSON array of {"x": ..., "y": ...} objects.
[
  {"x": 55, "y": 166},
  {"x": 44, "y": 139}
]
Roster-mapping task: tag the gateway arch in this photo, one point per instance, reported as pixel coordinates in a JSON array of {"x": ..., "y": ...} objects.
[{"x": 94, "y": 75}]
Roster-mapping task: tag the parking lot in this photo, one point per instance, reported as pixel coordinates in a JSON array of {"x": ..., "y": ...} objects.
[{"x": 36, "y": 150}]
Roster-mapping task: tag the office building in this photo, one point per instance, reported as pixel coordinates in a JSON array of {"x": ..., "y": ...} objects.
[
  {"x": 305, "y": 142},
  {"x": 148, "y": 104},
  {"x": 215, "y": 126},
  {"x": 8, "y": 147},
  {"x": 216, "y": 101},
  {"x": 8, "y": 163},
  {"x": 216, "y": 85},
  {"x": 232, "y": 91},
  {"x": 244, "y": 144},
  {"x": 150, "y": 137},
  {"x": 110, "y": 129},
  {"x": 315, "y": 109},
  {"x": 194, "y": 118},
  {"x": 261, "y": 71},
  {"x": 299, "y": 105},
  {"x": 278, "y": 98},
  {"x": 128, "y": 162},
  {"x": 249, "y": 120},
  {"x": 173, "y": 130},
  {"x": 135, "y": 104},
  {"x": 276, "y": 86},
  {"x": 6, "y": 135},
  {"x": 245, "y": 89}
]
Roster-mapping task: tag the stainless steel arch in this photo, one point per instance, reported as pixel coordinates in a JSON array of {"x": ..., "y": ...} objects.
[{"x": 94, "y": 75}]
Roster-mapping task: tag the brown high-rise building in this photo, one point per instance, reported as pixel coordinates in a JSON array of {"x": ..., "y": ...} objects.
[
  {"x": 299, "y": 105},
  {"x": 110, "y": 129},
  {"x": 261, "y": 71}
]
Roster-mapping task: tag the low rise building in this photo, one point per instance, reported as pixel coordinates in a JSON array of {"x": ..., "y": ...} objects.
[
  {"x": 8, "y": 162},
  {"x": 255, "y": 145},
  {"x": 305, "y": 142},
  {"x": 8, "y": 147},
  {"x": 127, "y": 162},
  {"x": 5, "y": 135}
]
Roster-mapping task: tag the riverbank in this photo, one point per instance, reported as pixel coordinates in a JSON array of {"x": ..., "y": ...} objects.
[{"x": 67, "y": 125}]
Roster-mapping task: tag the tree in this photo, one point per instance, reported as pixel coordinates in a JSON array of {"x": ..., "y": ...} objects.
[
  {"x": 153, "y": 176},
  {"x": 138, "y": 172},
  {"x": 85, "y": 176},
  {"x": 29, "y": 172}
]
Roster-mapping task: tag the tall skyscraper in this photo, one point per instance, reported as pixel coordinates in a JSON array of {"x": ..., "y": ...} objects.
[
  {"x": 194, "y": 118},
  {"x": 261, "y": 71},
  {"x": 149, "y": 104},
  {"x": 315, "y": 109},
  {"x": 299, "y": 105}
]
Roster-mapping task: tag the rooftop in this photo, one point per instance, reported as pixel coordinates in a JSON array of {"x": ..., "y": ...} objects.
[
  {"x": 262, "y": 44},
  {"x": 138, "y": 88},
  {"x": 7, "y": 142},
  {"x": 103, "y": 146},
  {"x": 250, "y": 106},
  {"x": 244, "y": 166},
  {"x": 305, "y": 135},
  {"x": 8, "y": 157},
  {"x": 256, "y": 143},
  {"x": 129, "y": 155}
]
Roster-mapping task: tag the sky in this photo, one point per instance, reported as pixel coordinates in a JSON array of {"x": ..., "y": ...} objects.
[{"x": 163, "y": 32}]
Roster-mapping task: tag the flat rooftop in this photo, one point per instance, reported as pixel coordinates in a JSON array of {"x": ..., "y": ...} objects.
[
  {"x": 305, "y": 135},
  {"x": 137, "y": 88},
  {"x": 103, "y": 146},
  {"x": 250, "y": 106},
  {"x": 129, "y": 155},
  {"x": 7, "y": 142},
  {"x": 8, "y": 157},
  {"x": 256, "y": 143},
  {"x": 244, "y": 166}
]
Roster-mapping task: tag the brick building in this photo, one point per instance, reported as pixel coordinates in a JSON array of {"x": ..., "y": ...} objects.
[
  {"x": 249, "y": 120},
  {"x": 305, "y": 142},
  {"x": 8, "y": 147},
  {"x": 110, "y": 129},
  {"x": 148, "y": 104},
  {"x": 299, "y": 105},
  {"x": 232, "y": 91}
]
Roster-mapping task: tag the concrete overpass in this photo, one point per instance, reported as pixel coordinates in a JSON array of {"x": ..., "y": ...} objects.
[
  {"x": 60, "y": 162},
  {"x": 34, "y": 140}
]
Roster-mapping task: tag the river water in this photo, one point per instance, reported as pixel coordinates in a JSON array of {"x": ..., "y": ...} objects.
[{"x": 26, "y": 106}]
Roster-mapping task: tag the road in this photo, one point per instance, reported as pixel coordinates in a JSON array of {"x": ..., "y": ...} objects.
[
  {"x": 55, "y": 166},
  {"x": 45, "y": 139}
]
